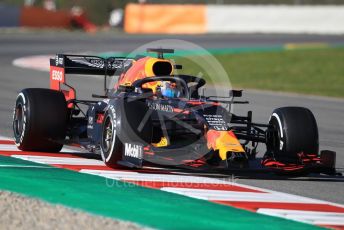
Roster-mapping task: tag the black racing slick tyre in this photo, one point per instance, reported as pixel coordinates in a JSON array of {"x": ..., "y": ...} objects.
[
  {"x": 110, "y": 145},
  {"x": 39, "y": 120},
  {"x": 296, "y": 131},
  {"x": 121, "y": 125}
]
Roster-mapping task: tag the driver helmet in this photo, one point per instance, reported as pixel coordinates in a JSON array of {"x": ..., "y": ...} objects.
[{"x": 169, "y": 90}]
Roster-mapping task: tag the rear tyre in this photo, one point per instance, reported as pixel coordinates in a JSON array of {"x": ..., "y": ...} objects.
[
  {"x": 39, "y": 120},
  {"x": 296, "y": 131},
  {"x": 121, "y": 125},
  {"x": 111, "y": 146}
]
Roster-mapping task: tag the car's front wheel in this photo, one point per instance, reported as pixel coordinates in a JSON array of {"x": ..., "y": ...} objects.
[{"x": 296, "y": 131}]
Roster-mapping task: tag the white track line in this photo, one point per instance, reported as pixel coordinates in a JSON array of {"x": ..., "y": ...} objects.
[
  {"x": 7, "y": 147},
  {"x": 67, "y": 149},
  {"x": 12, "y": 147},
  {"x": 5, "y": 138},
  {"x": 319, "y": 218},
  {"x": 135, "y": 176},
  {"x": 208, "y": 194},
  {"x": 25, "y": 166},
  {"x": 60, "y": 160}
]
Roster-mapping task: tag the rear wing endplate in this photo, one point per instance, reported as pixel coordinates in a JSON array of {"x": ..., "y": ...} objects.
[{"x": 64, "y": 64}]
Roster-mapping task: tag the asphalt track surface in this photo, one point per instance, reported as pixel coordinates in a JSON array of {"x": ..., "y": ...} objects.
[{"x": 328, "y": 112}]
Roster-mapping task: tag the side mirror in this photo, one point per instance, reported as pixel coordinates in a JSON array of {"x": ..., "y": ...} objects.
[{"x": 236, "y": 93}]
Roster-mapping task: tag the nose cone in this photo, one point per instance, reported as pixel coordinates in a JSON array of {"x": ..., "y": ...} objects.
[{"x": 223, "y": 141}]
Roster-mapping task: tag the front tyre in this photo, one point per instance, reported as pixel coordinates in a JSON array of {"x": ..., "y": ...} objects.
[
  {"x": 39, "y": 120},
  {"x": 296, "y": 131}
]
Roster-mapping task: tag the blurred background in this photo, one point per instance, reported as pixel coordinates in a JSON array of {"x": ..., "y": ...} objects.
[
  {"x": 290, "y": 45},
  {"x": 91, "y": 15}
]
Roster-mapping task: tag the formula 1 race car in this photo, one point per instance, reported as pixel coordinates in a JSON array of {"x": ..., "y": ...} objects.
[{"x": 152, "y": 116}]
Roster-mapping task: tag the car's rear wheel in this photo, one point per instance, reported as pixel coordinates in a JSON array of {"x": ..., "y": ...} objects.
[
  {"x": 111, "y": 145},
  {"x": 296, "y": 131},
  {"x": 39, "y": 120},
  {"x": 124, "y": 123}
]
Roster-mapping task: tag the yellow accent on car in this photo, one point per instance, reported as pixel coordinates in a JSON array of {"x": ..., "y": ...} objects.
[
  {"x": 163, "y": 142},
  {"x": 224, "y": 141}
]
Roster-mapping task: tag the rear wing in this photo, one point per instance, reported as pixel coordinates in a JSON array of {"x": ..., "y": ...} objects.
[{"x": 64, "y": 64}]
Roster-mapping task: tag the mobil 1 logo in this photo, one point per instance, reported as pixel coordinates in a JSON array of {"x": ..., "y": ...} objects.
[
  {"x": 133, "y": 153},
  {"x": 133, "y": 150}
]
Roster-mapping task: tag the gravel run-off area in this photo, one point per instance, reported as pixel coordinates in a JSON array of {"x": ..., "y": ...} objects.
[{"x": 20, "y": 212}]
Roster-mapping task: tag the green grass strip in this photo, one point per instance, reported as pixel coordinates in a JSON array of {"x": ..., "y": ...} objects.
[
  {"x": 230, "y": 50},
  {"x": 306, "y": 71},
  {"x": 213, "y": 51},
  {"x": 306, "y": 68},
  {"x": 111, "y": 198}
]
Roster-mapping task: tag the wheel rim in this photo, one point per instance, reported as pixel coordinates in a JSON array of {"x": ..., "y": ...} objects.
[
  {"x": 18, "y": 120},
  {"x": 109, "y": 133}
]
